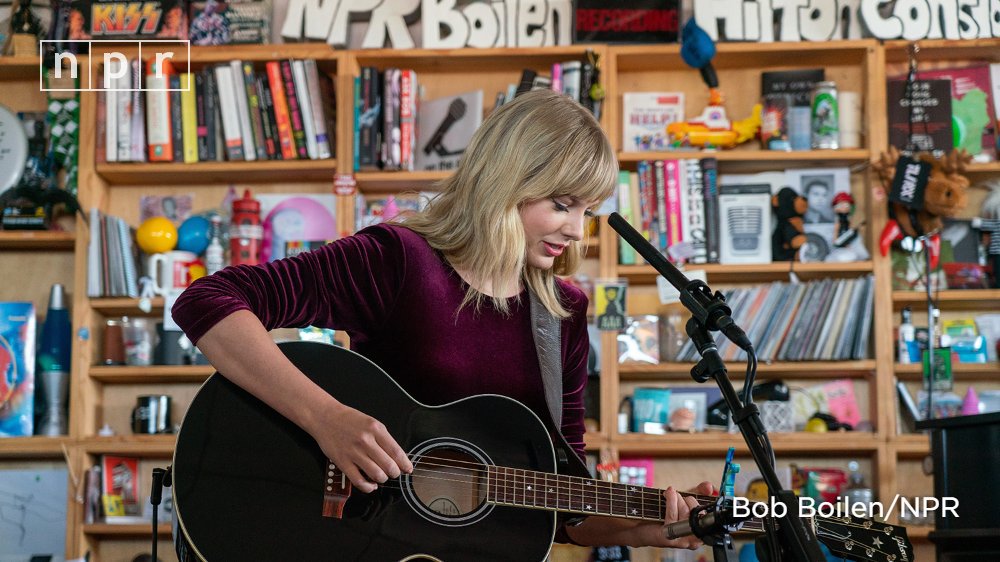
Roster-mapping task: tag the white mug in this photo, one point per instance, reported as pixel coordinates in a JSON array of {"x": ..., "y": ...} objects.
[{"x": 174, "y": 271}]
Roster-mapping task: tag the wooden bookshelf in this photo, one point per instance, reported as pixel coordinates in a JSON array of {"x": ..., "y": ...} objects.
[
  {"x": 151, "y": 446},
  {"x": 963, "y": 371},
  {"x": 763, "y": 159},
  {"x": 145, "y": 174},
  {"x": 775, "y": 271},
  {"x": 395, "y": 182},
  {"x": 153, "y": 374},
  {"x": 124, "y": 306},
  {"x": 912, "y": 446},
  {"x": 34, "y": 447},
  {"x": 714, "y": 444},
  {"x": 673, "y": 371},
  {"x": 36, "y": 240},
  {"x": 952, "y": 299},
  {"x": 119, "y": 530}
]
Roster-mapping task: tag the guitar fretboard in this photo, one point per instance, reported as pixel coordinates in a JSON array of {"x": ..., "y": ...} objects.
[{"x": 540, "y": 490}]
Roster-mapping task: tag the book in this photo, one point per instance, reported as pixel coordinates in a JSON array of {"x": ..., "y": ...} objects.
[
  {"x": 797, "y": 83},
  {"x": 971, "y": 108},
  {"x": 305, "y": 105},
  {"x": 158, "y": 119},
  {"x": 444, "y": 129},
  {"x": 120, "y": 489},
  {"x": 929, "y": 110},
  {"x": 645, "y": 116},
  {"x": 225, "y": 81},
  {"x": 235, "y": 22},
  {"x": 17, "y": 363}
]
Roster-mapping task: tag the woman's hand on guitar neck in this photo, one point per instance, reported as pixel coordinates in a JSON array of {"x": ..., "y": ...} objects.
[
  {"x": 678, "y": 508},
  {"x": 360, "y": 446}
]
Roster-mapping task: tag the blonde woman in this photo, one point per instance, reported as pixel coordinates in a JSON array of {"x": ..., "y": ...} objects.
[{"x": 439, "y": 300}]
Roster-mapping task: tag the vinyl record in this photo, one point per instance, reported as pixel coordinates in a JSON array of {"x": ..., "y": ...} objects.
[{"x": 13, "y": 149}]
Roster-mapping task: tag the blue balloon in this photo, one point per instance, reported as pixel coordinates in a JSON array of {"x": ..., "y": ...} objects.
[{"x": 194, "y": 235}]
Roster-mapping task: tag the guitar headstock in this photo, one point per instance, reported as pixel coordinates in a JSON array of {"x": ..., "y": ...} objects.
[{"x": 864, "y": 540}]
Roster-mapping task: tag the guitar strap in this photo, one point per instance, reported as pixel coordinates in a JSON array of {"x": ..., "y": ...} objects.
[{"x": 547, "y": 331}]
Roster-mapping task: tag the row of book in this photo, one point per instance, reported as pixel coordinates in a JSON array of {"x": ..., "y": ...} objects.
[
  {"x": 225, "y": 112},
  {"x": 113, "y": 258},
  {"x": 671, "y": 201},
  {"x": 396, "y": 129},
  {"x": 822, "y": 320}
]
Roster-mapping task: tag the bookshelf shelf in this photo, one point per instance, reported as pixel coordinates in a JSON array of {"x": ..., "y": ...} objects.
[
  {"x": 154, "y": 446},
  {"x": 913, "y": 445},
  {"x": 124, "y": 306},
  {"x": 141, "y": 174},
  {"x": 955, "y": 299},
  {"x": 154, "y": 374},
  {"x": 715, "y": 444},
  {"x": 20, "y": 68},
  {"x": 775, "y": 271},
  {"x": 765, "y": 159},
  {"x": 36, "y": 240},
  {"x": 944, "y": 50},
  {"x": 395, "y": 182},
  {"x": 789, "y": 369},
  {"x": 33, "y": 447},
  {"x": 983, "y": 168},
  {"x": 125, "y": 530},
  {"x": 966, "y": 371}
]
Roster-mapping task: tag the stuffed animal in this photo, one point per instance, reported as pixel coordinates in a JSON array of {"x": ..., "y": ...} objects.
[
  {"x": 790, "y": 234},
  {"x": 944, "y": 196}
]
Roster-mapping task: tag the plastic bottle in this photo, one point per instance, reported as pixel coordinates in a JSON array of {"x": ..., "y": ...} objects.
[
  {"x": 907, "y": 334},
  {"x": 858, "y": 493},
  {"x": 245, "y": 232},
  {"x": 215, "y": 254},
  {"x": 52, "y": 392}
]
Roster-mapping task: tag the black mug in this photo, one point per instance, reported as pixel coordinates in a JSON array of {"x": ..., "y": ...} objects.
[{"x": 151, "y": 415}]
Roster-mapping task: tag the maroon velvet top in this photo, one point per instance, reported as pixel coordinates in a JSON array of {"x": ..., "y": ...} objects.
[{"x": 396, "y": 297}]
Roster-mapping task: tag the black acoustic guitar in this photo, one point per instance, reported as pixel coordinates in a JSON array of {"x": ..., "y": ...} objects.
[{"x": 486, "y": 484}]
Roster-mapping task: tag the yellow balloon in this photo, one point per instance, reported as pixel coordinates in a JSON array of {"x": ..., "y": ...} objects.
[{"x": 156, "y": 234}]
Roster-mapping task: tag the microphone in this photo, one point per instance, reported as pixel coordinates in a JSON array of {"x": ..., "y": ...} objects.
[
  {"x": 705, "y": 521},
  {"x": 456, "y": 110},
  {"x": 710, "y": 310}
]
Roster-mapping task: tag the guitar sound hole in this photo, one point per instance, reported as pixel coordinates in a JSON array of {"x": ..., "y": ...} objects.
[{"x": 449, "y": 483}]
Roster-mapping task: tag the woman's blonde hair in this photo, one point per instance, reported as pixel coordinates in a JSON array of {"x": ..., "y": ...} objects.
[{"x": 540, "y": 145}]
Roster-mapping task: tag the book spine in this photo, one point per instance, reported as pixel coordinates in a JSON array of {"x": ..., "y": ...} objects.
[
  {"x": 305, "y": 107},
  {"x": 695, "y": 211},
  {"x": 662, "y": 226},
  {"x": 266, "y": 118},
  {"x": 709, "y": 176},
  {"x": 357, "y": 145},
  {"x": 671, "y": 172},
  {"x": 111, "y": 119},
  {"x": 626, "y": 254},
  {"x": 189, "y": 118},
  {"x": 176, "y": 119},
  {"x": 124, "y": 110},
  {"x": 294, "y": 110},
  {"x": 253, "y": 108},
  {"x": 407, "y": 106},
  {"x": 200, "y": 116},
  {"x": 101, "y": 117},
  {"x": 323, "y": 150},
  {"x": 281, "y": 116},
  {"x": 243, "y": 111},
  {"x": 227, "y": 109},
  {"x": 586, "y": 83},
  {"x": 557, "y": 81},
  {"x": 212, "y": 123},
  {"x": 571, "y": 79},
  {"x": 138, "y": 118},
  {"x": 158, "y": 136}
]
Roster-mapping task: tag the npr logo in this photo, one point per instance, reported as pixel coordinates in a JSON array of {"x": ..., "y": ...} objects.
[{"x": 106, "y": 66}]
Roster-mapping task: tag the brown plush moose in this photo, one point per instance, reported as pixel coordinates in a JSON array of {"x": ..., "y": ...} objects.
[
  {"x": 944, "y": 196},
  {"x": 790, "y": 234}
]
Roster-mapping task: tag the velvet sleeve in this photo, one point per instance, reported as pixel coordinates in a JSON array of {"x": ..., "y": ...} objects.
[
  {"x": 348, "y": 285},
  {"x": 576, "y": 351}
]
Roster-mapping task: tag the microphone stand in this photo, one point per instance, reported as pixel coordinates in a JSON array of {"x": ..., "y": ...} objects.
[{"x": 709, "y": 313}]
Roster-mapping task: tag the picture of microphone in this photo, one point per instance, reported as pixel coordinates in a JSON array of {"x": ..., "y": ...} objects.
[{"x": 455, "y": 112}]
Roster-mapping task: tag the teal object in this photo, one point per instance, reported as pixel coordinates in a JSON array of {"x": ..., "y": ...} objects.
[{"x": 194, "y": 235}]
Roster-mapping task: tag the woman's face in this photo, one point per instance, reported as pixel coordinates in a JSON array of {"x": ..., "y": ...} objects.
[{"x": 551, "y": 224}]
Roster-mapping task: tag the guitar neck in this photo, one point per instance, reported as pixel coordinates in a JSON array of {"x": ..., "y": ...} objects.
[{"x": 584, "y": 496}]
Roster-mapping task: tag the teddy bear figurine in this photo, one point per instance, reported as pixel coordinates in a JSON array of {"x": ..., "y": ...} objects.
[
  {"x": 944, "y": 196},
  {"x": 790, "y": 233}
]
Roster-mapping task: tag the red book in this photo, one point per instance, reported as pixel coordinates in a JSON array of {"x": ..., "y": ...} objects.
[{"x": 281, "y": 115}]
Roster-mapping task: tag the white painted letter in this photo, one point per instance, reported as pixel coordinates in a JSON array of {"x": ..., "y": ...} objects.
[{"x": 390, "y": 16}]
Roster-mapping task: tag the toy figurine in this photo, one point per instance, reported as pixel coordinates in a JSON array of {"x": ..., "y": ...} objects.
[
  {"x": 944, "y": 196},
  {"x": 790, "y": 233},
  {"x": 847, "y": 245},
  {"x": 712, "y": 128}
]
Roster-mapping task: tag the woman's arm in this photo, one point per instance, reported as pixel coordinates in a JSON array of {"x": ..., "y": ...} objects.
[{"x": 242, "y": 350}]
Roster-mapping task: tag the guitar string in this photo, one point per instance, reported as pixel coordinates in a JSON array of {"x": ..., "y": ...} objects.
[
  {"x": 614, "y": 491},
  {"x": 512, "y": 489},
  {"x": 752, "y": 525}
]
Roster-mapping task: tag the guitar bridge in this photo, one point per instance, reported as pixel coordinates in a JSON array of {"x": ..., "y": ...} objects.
[{"x": 336, "y": 491}]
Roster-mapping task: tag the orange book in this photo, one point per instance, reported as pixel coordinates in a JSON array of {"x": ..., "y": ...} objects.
[
  {"x": 158, "y": 132},
  {"x": 281, "y": 115}
]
